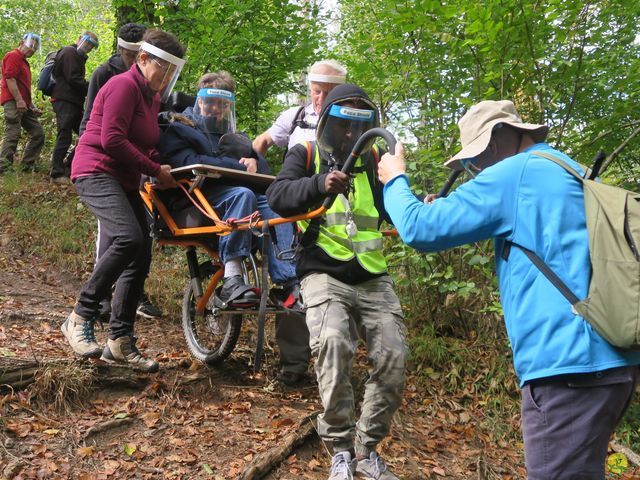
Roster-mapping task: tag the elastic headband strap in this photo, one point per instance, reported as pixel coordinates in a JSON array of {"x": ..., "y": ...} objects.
[
  {"x": 216, "y": 93},
  {"x": 153, "y": 50},
  {"x": 318, "y": 77},
  {"x": 129, "y": 45}
]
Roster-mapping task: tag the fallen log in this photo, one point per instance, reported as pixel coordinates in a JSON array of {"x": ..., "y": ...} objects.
[
  {"x": 16, "y": 374},
  {"x": 267, "y": 461}
]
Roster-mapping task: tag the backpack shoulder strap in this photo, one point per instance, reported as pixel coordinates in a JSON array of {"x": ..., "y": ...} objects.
[
  {"x": 563, "y": 164},
  {"x": 544, "y": 269},
  {"x": 298, "y": 120}
]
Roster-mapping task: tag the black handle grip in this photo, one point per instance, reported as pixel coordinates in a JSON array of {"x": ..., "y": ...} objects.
[
  {"x": 449, "y": 183},
  {"x": 386, "y": 135},
  {"x": 597, "y": 164}
]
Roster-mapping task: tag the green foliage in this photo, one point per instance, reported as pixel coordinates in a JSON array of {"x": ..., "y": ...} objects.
[
  {"x": 629, "y": 428},
  {"x": 263, "y": 43},
  {"x": 569, "y": 64},
  {"x": 60, "y": 23},
  {"x": 49, "y": 223}
]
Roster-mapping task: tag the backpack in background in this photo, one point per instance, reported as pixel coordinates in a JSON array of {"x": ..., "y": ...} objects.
[
  {"x": 612, "y": 306},
  {"x": 46, "y": 80}
]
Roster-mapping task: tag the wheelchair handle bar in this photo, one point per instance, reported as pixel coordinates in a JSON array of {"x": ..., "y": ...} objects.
[{"x": 386, "y": 135}]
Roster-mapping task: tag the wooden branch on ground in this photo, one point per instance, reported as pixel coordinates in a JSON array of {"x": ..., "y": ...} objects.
[
  {"x": 108, "y": 425},
  {"x": 267, "y": 461},
  {"x": 16, "y": 374},
  {"x": 632, "y": 456}
]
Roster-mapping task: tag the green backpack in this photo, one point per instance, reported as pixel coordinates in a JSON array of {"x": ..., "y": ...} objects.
[{"x": 612, "y": 306}]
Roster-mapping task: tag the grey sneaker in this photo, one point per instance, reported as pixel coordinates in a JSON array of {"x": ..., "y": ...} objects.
[
  {"x": 123, "y": 351},
  {"x": 374, "y": 468},
  {"x": 79, "y": 333},
  {"x": 342, "y": 466},
  {"x": 147, "y": 309}
]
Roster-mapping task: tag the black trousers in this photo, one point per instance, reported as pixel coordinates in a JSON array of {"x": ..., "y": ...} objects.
[
  {"x": 567, "y": 422},
  {"x": 68, "y": 118},
  {"x": 125, "y": 262}
]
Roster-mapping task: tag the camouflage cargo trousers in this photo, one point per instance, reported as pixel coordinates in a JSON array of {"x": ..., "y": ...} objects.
[
  {"x": 14, "y": 121},
  {"x": 338, "y": 315}
]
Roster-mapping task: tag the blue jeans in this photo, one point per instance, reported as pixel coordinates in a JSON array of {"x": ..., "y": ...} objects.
[{"x": 239, "y": 202}]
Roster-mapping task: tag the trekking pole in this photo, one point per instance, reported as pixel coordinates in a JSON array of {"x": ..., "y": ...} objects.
[
  {"x": 449, "y": 183},
  {"x": 597, "y": 164},
  {"x": 386, "y": 135}
]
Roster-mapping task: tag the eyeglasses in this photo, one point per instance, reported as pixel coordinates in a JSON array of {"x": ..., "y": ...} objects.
[{"x": 166, "y": 68}]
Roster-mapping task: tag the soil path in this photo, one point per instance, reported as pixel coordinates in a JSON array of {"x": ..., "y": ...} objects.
[{"x": 210, "y": 428}]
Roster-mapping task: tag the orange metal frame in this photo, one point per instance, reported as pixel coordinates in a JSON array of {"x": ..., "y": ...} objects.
[{"x": 188, "y": 236}]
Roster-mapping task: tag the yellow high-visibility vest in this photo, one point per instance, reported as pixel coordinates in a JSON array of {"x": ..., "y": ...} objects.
[{"x": 366, "y": 243}]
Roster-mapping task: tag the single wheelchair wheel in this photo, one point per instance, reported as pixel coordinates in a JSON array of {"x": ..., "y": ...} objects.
[{"x": 211, "y": 336}]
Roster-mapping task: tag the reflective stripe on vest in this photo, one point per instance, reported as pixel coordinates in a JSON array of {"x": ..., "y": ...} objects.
[{"x": 366, "y": 244}]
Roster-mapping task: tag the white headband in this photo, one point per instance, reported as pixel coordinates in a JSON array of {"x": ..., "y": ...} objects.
[
  {"x": 128, "y": 45},
  {"x": 318, "y": 77},
  {"x": 158, "y": 52}
]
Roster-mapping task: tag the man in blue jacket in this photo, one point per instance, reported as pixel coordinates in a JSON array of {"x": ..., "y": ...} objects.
[
  {"x": 194, "y": 138},
  {"x": 575, "y": 385}
]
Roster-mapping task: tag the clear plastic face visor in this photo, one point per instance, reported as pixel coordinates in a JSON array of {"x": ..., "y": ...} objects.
[
  {"x": 342, "y": 129},
  {"x": 169, "y": 67},
  {"x": 86, "y": 44},
  {"x": 215, "y": 111},
  {"x": 32, "y": 41}
]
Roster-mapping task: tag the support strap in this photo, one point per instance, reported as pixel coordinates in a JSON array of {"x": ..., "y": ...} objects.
[{"x": 264, "y": 296}]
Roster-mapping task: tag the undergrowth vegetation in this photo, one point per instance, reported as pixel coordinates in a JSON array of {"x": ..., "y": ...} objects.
[{"x": 458, "y": 343}]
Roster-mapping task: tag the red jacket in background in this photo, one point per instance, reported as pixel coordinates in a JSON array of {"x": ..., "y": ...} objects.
[
  {"x": 16, "y": 66},
  {"x": 122, "y": 132}
]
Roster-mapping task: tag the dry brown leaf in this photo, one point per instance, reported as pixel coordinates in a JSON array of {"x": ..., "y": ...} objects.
[
  {"x": 85, "y": 451},
  {"x": 438, "y": 471},
  {"x": 150, "y": 419},
  {"x": 110, "y": 467}
]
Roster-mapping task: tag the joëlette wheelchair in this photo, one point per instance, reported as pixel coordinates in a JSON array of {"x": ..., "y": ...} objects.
[{"x": 211, "y": 328}]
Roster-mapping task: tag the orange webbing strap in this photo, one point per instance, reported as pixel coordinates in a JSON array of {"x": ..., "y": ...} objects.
[
  {"x": 376, "y": 155},
  {"x": 308, "y": 144},
  {"x": 202, "y": 210}
]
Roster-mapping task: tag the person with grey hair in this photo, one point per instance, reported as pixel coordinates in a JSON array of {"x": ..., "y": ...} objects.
[
  {"x": 295, "y": 125},
  {"x": 298, "y": 124},
  {"x": 575, "y": 386}
]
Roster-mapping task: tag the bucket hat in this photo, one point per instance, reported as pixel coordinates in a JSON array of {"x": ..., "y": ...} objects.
[{"x": 477, "y": 124}]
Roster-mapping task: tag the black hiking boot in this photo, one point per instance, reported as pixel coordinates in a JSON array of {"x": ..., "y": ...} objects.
[{"x": 236, "y": 293}]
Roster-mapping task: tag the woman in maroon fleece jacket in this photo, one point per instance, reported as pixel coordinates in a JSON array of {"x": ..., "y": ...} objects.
[{"x": 116, "y": 148}]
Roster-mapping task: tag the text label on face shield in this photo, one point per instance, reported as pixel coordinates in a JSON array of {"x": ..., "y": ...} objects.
[
  {"x": 215, "y": 92},
  {"x": 352, "y": 113}
]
